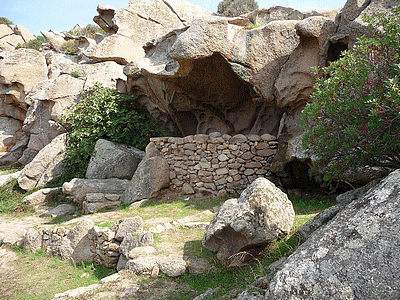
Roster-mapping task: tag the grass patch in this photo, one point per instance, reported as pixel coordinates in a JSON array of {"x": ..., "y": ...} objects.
[
  {"x": 44, "y": 276},
  {"x": 10, "y": 199},
  {"x": 173, "y": 208},
  {"x": 9, "y": 169},
  {"x": 251, "y": 26},
  {"x": 307, "y": 205},
  {"x": 105, "y": 224}
]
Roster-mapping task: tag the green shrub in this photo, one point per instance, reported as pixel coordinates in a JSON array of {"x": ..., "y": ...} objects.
[
  {"x": 4, "y": 20},
  {"x": 234, "y": 8},
  {"x": 69, "y": 47},
  {"x": 75, "y": 74},
  {"x": 354, "y": 119},
  {"x": 33, "y": 44},
  {"x": 104, "y": 113}
]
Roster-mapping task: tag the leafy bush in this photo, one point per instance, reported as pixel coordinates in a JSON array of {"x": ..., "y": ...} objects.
[
  {"x": 354, "y": 119},
  {"x": 33, "y": 44},
  {"x": 4, "y": 20},
  {"x": 69, "y": 47},
  {"x": 234, "y": 8},
  {"x": 104, "y": 113}
]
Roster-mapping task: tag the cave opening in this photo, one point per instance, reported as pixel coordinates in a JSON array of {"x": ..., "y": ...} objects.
[
  {"x": 298, "y": 177},
  {"x": 335, "y": 50}
]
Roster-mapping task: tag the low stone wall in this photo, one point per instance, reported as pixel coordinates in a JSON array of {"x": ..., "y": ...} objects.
[{"x": 220, "y": 163}]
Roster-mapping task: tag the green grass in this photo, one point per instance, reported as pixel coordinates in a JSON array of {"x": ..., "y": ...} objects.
[
  {"x": 10, "y": 199},
  {"x": 105, "y": 224},
  {"x": 55, "y": 276},
  {"x": 9, "y": 169},
  {"x": 307, "y": 205},
  {"x": 251, "y": 26},
  {"x": 173, "y": 208}
]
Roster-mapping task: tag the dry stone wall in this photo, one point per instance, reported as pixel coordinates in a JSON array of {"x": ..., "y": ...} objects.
[{"x": 216, "y": 162}]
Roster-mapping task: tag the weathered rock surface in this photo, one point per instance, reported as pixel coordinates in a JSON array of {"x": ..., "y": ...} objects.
[
  {"x": 130, "y": 242},
  {"x": 172, "y": 265},
  {"x": 40, "y": 196},
  {"x": 12, "y": 35},
  {"x": 95, "y": 202},
  {"x": 261, "y": 215},
  {"x": 10, "y": 132},
  {"x": 128, "y": 225},
  {"x": 354, "y": 256},
  {"x": 33, "y": 240},
  {"x": 26, "y": 67},
  {"x": 295, "y": 82},
  {"x": 4, "y": 179},
  {"x": 213, "y": 52},
  {"x": 113, "y": 160},
  {"x": 76, "y": 245},
  {"x": 78, "y": 187},
  {"x": 60, "y": 210},
  {"x": 118, "y": 48},
  {"x": 206, "y": 56},
  {"x": 150, "y": 177},
  {"x": 46, "y": 166},
  {"x": 134, "y": 25},
  {"x": 55, "y": 39},
  {"x": 351, "y": 26}
]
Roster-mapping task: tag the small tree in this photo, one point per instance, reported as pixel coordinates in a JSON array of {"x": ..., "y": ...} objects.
[
  {"x": 233, "y": 8},
  {"x": 354, "y": 119}
]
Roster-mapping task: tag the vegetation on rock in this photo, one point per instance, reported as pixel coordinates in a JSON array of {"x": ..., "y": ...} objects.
[
  {"x": 234, "y": 8},
  {"x": 354, "y": 119},
  {"x": 88, "y": 31},
  {"x": 4, "y": 20},
  {"x": 69, "y": 47},
  {"x": 33, "y": 44},
  {"x": 104, "y": 113}
]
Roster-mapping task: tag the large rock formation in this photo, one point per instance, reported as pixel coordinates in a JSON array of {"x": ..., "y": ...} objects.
[
  {"x": 12, "y": 35},
  {"x": 215, "y": 75},
  {"x": 20, "y": 71},
  {"x": 132, "y": 26},
  {"x": 218, "y": 75},
  {"x": 355, "y": 256}
]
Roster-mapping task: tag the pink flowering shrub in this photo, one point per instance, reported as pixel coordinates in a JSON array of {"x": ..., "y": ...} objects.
[{"x": 354, "y": 118}]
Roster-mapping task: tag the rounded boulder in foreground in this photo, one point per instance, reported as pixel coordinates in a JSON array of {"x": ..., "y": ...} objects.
[{"x": 262, "y": 214}]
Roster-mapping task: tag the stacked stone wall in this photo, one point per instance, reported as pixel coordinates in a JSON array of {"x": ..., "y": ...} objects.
[{"x": 215, "y": 162}]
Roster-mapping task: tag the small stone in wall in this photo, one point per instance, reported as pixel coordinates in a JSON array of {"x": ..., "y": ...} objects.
[
  {"x": 187, "y": 189},
  {"x": 129, "y": 225}
]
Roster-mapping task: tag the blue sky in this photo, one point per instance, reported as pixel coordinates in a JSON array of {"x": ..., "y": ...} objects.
[{"x": 62, "y": 15}]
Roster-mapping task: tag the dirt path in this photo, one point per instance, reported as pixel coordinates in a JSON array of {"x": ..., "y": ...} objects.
[{"x": 13, "y": 228}]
